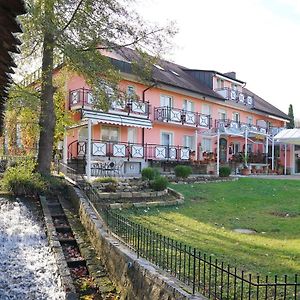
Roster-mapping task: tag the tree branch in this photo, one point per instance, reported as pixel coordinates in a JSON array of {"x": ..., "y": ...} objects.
[
  {"x": 72, "y": 17},
  {"x": 124, "y": 45}
]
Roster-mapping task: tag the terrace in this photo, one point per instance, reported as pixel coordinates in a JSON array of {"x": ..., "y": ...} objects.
[{"x": 83, "y": 99}]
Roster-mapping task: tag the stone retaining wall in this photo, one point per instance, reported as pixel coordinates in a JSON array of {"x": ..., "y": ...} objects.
[
  {"x": 136, "y": 278},
  {"x": 178, "y": 199}
]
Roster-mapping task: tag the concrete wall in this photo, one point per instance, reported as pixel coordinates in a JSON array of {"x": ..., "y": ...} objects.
[{"x": 136, "y": 278}]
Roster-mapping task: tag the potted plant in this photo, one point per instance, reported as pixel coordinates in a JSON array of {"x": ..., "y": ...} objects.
[{"x": 245, "y": 169}]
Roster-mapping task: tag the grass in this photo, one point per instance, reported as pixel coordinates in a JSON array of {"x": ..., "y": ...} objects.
[{"x": 211, "y": 212}]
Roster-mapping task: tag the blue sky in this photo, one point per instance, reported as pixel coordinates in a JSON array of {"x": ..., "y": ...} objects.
[{"x": 258, "y": 39}]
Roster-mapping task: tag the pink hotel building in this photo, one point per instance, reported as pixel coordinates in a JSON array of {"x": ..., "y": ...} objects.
[{"x": 200, "y": 117}]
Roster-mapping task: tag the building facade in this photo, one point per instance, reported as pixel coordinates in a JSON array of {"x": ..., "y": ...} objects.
[{"x": 198, "y": 117}]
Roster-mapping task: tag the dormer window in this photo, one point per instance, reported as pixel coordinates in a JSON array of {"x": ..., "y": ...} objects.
[{"x": 220, "y": 83}]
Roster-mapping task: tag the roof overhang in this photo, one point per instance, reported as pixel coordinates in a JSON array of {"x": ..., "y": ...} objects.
[
  {"x": 107, "y": 118},
  {"x": 288, "y": 136}
]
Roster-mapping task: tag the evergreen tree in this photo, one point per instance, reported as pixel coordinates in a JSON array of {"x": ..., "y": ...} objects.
[
  {"x": 291, "y": 124},
  {"x": 78, "y": 30}
]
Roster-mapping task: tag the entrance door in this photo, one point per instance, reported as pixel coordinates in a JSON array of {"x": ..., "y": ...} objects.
[
  {"x": 223, "y": 150},
  {"x": 297, "y": 159}
]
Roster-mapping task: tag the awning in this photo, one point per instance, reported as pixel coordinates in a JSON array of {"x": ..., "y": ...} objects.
[
  {"x": 288, "y": 136},
  {"x": 101, "y": 117}
]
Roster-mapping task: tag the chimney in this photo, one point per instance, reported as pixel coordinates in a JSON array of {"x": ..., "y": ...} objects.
[{"x": 231, "y": 75}]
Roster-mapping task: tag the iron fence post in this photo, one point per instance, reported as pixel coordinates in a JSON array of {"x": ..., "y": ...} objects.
[
  {"x": 138, "y": 241},
  {"x": 194, "y": 271}
]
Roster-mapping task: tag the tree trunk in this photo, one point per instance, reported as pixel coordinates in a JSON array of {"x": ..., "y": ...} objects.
[{"x": 47, "y": 116}]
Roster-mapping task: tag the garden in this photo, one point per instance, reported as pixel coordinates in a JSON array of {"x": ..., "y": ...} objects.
[{"x": 252, "y": 224}]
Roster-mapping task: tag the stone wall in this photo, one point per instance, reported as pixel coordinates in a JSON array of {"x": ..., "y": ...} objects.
[{"x": 136, "y": 278}]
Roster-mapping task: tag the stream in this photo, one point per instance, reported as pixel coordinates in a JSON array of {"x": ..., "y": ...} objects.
[{"x": 27, "y": 265}]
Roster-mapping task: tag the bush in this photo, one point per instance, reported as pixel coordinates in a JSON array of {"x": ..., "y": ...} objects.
[
  {"x": 22, "y": 180},
  {"x": 182, "y": 171},
  {"x": 149, "y": 173},
  {"x": 105, "y": 180},
  {"x": 159, "y": 183},
  {"x": 224, "y": 171}
]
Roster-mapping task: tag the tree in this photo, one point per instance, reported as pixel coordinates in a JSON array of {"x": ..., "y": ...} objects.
[
  {"x": 291, "y": 124},
  {"x": 79, "y": 30}
]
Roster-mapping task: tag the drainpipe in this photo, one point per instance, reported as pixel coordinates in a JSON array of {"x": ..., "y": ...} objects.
[{"x": 143, "y": 98}]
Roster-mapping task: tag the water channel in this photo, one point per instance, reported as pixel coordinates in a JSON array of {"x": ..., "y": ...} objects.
[{"x": 27, "y": 265}]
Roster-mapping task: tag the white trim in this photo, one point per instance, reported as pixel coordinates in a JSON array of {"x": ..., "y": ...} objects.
[
  {"x": 277, "y": 118},
  {"x": 229, "y": 79}
]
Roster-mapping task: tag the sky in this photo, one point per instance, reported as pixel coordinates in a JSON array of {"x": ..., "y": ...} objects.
[{"x": 257, "y": 39}]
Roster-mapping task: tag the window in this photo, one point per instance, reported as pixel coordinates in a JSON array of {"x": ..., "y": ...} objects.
[
  {"x": 234, "y": 86},
  {"x": 109, "y": 133},
  {"x": 250, "y": 120},
  {"x": 83, "y": 134},
  {"x": 236, "y": 148},
  {"x": 189, "y": 141},
  {"x": 158, "y": 67},
  {"x": 249, "y": 148},
  {"x": 205, "y": 109},
  {"x": 222, "y": 114},
  {"x": 175, "y": 73},
  {"x": 166, "y": 138},
  {"x": 236, "y": 117},
  {"x": 132, "y": 135},
  {"x": 131, "y": 92},
  {"x": 206, "y": 145},
  {"x": 220, "y": 83},
  {"x": 166, "y": 101},
  {"x": 188, "y": 105}
]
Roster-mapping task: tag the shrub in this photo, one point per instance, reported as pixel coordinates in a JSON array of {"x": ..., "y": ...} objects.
[
  {"x": 22, "y": 180},
  {"x": 224, "y": 171},
  {"x": 182, "y": 171},
  {"x": 159, "y": 183},
  {"x": 149, "y": 173},
  {"x": 105, "y": 180}
]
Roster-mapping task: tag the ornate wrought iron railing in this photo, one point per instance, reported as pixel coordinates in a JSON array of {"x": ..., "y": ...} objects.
[
  {"x": 109, "y": 149},
  {"x": 181, "y": 116},
  {"x": 83, "y": 98},
  {"x": 224, "y": 124}
]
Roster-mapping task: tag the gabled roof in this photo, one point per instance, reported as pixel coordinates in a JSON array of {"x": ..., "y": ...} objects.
[
  {"x": 167, "y": 76},
  {"x": 266, "y": 107},
  {"x": 180, "y": 77}
]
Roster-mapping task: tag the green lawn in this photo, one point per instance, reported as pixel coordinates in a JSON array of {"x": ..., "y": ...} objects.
[{"x": 213, "y": 210}]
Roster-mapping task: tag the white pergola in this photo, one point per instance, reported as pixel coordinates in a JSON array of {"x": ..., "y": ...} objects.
[
  {"x": 285, "y": 136},
  {"x": 288, "y": 136}
]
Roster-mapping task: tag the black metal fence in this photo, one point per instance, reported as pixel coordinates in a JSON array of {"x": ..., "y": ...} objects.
[{"x": 210, "y": 277}]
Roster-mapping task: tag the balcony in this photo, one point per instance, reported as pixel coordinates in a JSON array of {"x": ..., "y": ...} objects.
[
  {"x": 83, "y": 99},
  {"x": 236, "y": 96},
  {"x": 110, "y": 149},
  {"x": 181, "y": 116},
  {"x": 229, "y": 126}
]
